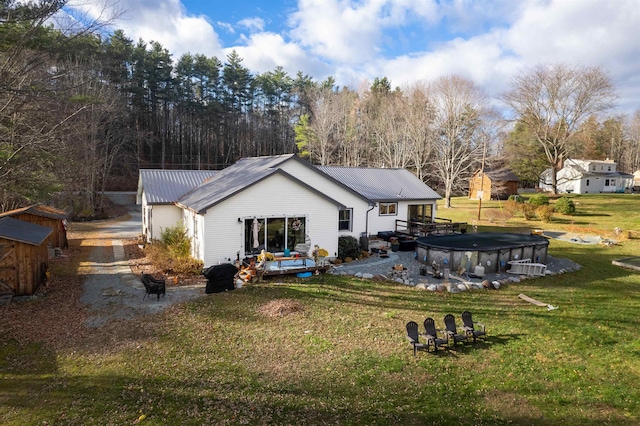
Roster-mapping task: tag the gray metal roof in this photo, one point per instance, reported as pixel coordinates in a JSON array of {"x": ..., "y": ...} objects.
[
  {"x": 382, "y": 184},
  {"x": 23, "y": 232},
  {"x": 235, "y": 178},
  {"x": 168, "y": 186}
]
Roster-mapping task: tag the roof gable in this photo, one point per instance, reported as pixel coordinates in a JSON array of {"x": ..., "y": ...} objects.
[
  {"x": 236, "y": 178},
  {"x": 168, "y": 186},
  {"x": 23, "y": 232},
  {"x": 378, "y": 184}
]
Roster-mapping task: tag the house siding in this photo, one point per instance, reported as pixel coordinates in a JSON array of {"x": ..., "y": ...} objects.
[
  {"x": 276, "y": 196},
  {"x": 164, "y": 216},
  {"x": 337, "y": 192}
]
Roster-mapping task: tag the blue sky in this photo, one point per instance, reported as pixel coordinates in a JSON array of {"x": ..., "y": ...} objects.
[{"x": 487, "y": 41}]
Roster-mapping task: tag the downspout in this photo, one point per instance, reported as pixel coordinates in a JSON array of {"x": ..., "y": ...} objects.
[{"x": 366, "y": 222}]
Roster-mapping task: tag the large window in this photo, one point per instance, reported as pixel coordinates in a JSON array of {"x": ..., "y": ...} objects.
[
  {"x": 388, "y": 209},
  {"x": 344, "y": 220},
  {"x": 274, "y": 234},
  {"x": 421, "y": 213}
]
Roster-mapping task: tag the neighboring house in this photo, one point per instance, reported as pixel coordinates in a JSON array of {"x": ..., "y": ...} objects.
[
  {"x": 158, "y": 191},
  {"x": 494, "y": 185},
  {"x": 24, "y": 255},
  {"x": 46, "y": 216},
  {"x": 587, "y": 177},
  {"x": 283, "y": 202},
  {"x": 636, "y": 180}
]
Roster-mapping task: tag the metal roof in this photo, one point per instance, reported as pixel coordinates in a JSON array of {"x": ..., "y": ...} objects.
[
  {"x": 382, "y": 184},
  {"x": 235, "y": 178},
  {"x": 38, "y": 210},
  {"x": 23, "y": 232},
  {"x": 168, "y": 186}
]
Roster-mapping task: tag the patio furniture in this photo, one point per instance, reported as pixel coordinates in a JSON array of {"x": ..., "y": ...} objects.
[
  {"x": 152, "y": 286},
  {"x": 470, "y": 328},
  {"x": 451, "y": 330},
  {"x": 431, "y": 334},
  {"x": 413, "y": 336}
]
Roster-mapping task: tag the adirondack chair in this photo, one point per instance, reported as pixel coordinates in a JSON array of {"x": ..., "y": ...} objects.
[
  {"x": 413, "y": 336},
  {"x": 431, "y": 334},
  {"x": 470, "y": 328},
  {"x": 152, "y": 286},
  {"x": 451, "y": 330}
]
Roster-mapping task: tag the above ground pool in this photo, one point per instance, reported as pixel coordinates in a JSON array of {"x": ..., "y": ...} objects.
[{"x": 492, "y": 250}]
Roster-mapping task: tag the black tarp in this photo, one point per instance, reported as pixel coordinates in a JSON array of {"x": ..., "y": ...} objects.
[{"x": 220, "y": 278}]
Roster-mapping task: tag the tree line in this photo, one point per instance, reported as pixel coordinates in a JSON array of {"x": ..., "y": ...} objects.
[{"x": 82, "y": 110}]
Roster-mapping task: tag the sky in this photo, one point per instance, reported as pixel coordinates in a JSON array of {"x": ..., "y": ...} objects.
[{"x": 407, "y": 41}]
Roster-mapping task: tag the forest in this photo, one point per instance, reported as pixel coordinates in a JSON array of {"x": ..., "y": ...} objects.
[{"x": 83, "y": 108}]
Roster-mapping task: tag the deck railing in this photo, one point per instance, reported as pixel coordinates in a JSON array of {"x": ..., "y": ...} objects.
[{"x": 421, "y": 229}]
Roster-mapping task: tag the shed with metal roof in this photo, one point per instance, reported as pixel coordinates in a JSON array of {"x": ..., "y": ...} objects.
[
  {"x": 48, "y": 216},
  {"x": 24, "y": 256}
]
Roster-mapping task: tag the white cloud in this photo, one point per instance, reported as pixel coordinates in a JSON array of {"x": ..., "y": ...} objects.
[{"x": 252, "y": 24}]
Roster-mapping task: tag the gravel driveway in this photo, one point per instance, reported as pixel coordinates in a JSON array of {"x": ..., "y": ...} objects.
[{"x": 111, "y": 291}]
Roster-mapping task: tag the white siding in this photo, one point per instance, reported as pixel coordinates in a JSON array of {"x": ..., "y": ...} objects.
[
  {"x": 277, "y": 196},
  {"x": 163, "y": 217},
  {"x": 337, "y": 192}
]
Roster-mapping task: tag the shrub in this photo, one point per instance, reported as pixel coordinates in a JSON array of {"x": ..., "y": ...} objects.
[
  {"x": 544, "y": 213},
  {"x": 512, "y": 207},
  {"x": 529, "y": 211},
  {"x": 565, "y": 206},
  {"x": 176, "y": 242},
  {"x": 516, "y": 198},
  {"x": 500, "y": 216},
  {"x": 539, "y": 200},
  {"x": 348, "y": 246}
]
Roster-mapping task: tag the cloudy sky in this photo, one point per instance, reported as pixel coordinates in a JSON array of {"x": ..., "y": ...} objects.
[{"x": 487, "y": 41}]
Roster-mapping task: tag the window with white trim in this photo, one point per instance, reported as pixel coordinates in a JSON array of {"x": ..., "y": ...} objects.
[
  {"x": 388, "y": 209},
  {"x": 345, "y": 220}
]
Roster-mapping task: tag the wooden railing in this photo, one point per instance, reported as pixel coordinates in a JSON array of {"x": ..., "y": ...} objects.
[{"x": 421, "y": 229}]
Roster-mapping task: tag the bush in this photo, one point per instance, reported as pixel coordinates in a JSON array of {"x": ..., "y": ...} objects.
[
  {"x": 516, "y": 198},
  {"x": 565, "y": 206},
  {"x": 500, "y": 216},
  {"x": 539, "y": 200},
  {"x": 348, "y": 246},
  {"x": 512, "y": 207},
  {"x": 176, "y": 242},
  {"x": 529, "y": 211},
  {"x": 544, "y": 213}
]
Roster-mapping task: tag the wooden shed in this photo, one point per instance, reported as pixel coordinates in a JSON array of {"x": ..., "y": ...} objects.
[
  {"x": 24, "y": 255},
  {"x": 494, "y": 185},
  {"x": 45, "y": 216}
]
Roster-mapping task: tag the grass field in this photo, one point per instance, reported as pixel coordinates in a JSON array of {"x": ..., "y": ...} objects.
[{"x": 341, "y": 357}]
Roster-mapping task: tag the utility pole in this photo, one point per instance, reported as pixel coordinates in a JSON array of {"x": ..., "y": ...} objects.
[{"x": 481, "y": 194}]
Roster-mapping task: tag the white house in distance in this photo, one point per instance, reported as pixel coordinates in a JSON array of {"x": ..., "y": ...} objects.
[
  {"x": 279, "y": 202},
  {"x": 588, "y": 177}
]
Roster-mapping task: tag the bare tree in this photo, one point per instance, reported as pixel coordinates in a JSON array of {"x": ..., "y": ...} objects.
[
  {"x": 419, "y": 113},
  {"x": 462, "y": 135},
  {"x": 554, "y": 100}
]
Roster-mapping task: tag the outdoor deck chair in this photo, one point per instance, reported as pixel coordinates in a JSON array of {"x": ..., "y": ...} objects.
[
  {"x": 152, "y": 286},
  {"x": 471, "y": 329},
  {"x": 431, "y": 334},
  {"x": 451, "y": 330},
  {"x": 413, "y": 336}
]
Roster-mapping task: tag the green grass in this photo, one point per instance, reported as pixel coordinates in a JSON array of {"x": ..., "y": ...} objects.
[{"x": 345, "y": 360}]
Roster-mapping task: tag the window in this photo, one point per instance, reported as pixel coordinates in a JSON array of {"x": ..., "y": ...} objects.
[
  {"x": 274, "y": 234},
  {"x": 388, "y": 209},
  {"x": 587, "y": 182},
  {"x": 344, "y": 219},
  {"x": 609, "y": 168},
  {"x": 606, "y": 182},
  {"x": 421, "y": 213},
  {"x": 613, "y": 182}
]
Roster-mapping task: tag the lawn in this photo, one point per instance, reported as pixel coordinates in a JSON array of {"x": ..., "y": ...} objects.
[{"x": 340, "y": 356}]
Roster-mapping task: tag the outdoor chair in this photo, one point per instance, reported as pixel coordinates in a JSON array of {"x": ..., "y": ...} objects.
[
  {"x": 431, "y": 334},
  {"x": 413, "y": 337},
  {"x": 471, "y": 329},
  {"x": 153, "y": 286},
  {"x": 451, "y": 330}
]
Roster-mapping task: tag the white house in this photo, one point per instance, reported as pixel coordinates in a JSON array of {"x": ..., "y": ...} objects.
[
  {"x": 280, "y": 202},
  {"x": 588, "y": 177}
]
